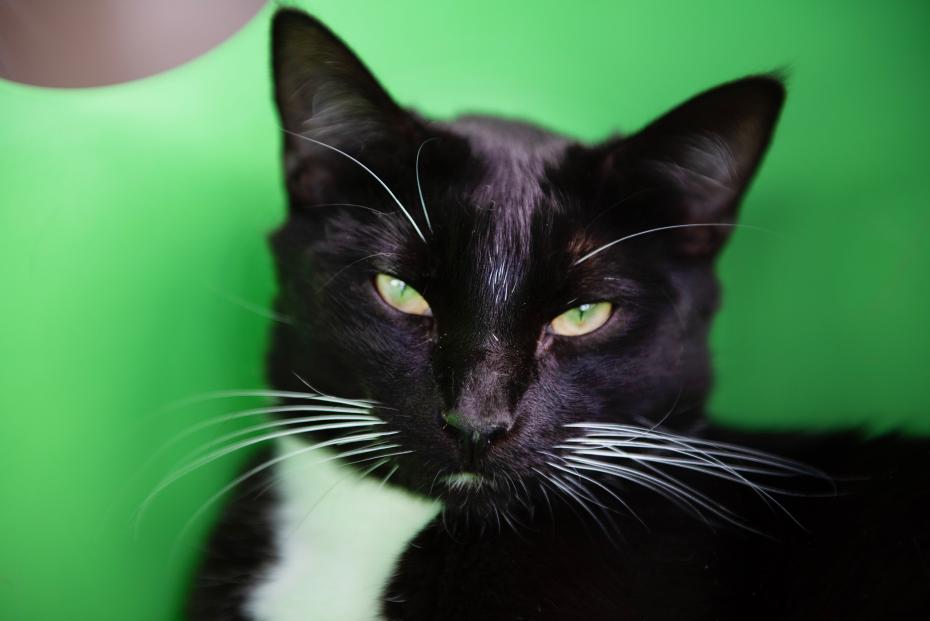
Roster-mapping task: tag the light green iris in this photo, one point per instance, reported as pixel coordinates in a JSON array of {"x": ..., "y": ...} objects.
[
  {"x": 401, "y": 296},
  {"x": 582, "y": 319}
]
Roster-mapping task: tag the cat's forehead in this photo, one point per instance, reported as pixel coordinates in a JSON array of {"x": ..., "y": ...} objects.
[
  {"x": 514, "y": 157},
  {"x": 513, "y": 160}
]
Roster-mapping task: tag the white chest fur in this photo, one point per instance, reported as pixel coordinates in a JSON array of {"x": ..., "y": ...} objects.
[{"x": 338, "y": 537}]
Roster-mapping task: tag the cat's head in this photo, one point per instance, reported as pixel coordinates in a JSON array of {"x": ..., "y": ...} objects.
[{"x": 489, "y": 283}]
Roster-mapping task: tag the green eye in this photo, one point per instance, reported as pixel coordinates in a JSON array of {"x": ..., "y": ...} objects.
[
  {"x": 581, "y": 319},
  {"x": 401, "y": 296}
]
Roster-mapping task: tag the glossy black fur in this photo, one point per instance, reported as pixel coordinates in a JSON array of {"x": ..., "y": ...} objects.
[
  {"x": 863, "y": 554},
  {"x": 513, "y": 211}
]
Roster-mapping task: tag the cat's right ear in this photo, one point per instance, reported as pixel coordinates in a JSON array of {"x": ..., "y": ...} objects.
[
  {"x": 693, "y": 165},
  {"x": 326, "y": 96}
]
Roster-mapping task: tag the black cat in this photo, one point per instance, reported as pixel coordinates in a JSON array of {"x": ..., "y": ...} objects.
[{"x": 505, "y": 332}]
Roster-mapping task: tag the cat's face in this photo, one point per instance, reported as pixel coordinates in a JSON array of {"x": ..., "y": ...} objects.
[{"x": 462, "y": 274}]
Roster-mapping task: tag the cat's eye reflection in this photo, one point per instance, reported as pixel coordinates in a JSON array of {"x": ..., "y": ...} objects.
[
  {"x": 581, "y": 319},
  {"x": 398, "y": 294}
]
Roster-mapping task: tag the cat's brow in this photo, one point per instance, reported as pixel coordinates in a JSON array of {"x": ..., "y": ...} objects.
[{"x": 369, "y": 171}]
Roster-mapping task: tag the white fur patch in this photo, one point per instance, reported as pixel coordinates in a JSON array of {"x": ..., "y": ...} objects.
[{"x": 338, "y": 537}]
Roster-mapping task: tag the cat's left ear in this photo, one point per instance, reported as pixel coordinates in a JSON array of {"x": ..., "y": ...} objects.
[
  {"x": 324, "y": 93},
  {"x": 698, "y": 159}
]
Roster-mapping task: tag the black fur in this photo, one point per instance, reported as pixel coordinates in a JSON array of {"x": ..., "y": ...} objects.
[
  {"x": 514, "y": 212},
  {"x": 240, "y": 547},
  {"x": 863, "y": 554}
]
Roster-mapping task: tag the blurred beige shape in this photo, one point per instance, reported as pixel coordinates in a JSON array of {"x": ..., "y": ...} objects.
[{"x": 81, "y": 43}]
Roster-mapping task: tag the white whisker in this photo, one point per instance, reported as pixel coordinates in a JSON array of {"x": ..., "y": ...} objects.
[
  {"x": 416, "y": 167},
  {"x": 567, "y": 488},
  {"x": 631, "y": 475},
  {"x": 719, "y": 448},
  {"x": 365, "y": 207},
  {"x": 732, "y": 475},
  {"x": 665, "y": 228},
  {"x": 268, "y": 464},
  {"x": 271, "y": 394},
  {"x": 618, "y": 449},
  {"x": 718, "y": 451},
  {"x": 345, "y": 413},
  {"x": 719, "y": 460},
  {"x": 542, "y": 488},
  {"x": 169, "y": 480},
  {"x": 370, "y": 172},
  {"x": 256, "y": 309},
  {"x": 575, "y": 473},
  {"x": 390, "y": 474},
  {"x": 688, "y": 495},
  {"x": 333, "y": 422}
]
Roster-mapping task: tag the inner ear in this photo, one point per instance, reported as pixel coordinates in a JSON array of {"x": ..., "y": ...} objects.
[
  {"x": 324, "y": 92},
  {"x": 694, "y": 163}
]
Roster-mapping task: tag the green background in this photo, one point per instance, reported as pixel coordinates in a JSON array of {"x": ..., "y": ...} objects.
[{"x": 134, "y": 270}]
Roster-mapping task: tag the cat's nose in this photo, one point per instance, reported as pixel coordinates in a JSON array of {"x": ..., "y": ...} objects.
[{"x": 474, "y": 437}]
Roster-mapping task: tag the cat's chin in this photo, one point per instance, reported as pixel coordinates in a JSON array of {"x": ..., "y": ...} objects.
[
  {"x": 464, "y": 481},
  {"x": 479, "y": 497}
]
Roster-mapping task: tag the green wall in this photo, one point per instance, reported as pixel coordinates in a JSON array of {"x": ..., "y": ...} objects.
[{"x": 132, "y": 223}]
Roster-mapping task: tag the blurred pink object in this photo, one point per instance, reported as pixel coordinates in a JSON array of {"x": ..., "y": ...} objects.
[{"x": 68, "y": 43}]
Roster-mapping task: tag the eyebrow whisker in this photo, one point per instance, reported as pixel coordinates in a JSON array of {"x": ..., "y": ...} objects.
[
  {"x": 665, "y": 228},
  {"x": 370, "y": 172},
  {"x": 416, "y": 167}
]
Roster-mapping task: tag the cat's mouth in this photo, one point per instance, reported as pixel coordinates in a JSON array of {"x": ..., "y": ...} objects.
[
  {"x": 467, "y": 491},
  {"x": 464, "y": 480}
]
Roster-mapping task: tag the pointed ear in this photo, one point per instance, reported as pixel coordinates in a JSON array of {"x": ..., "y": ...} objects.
[
  {"x": 324, "y": 92},
  {"x": 699, "y": 158}
]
